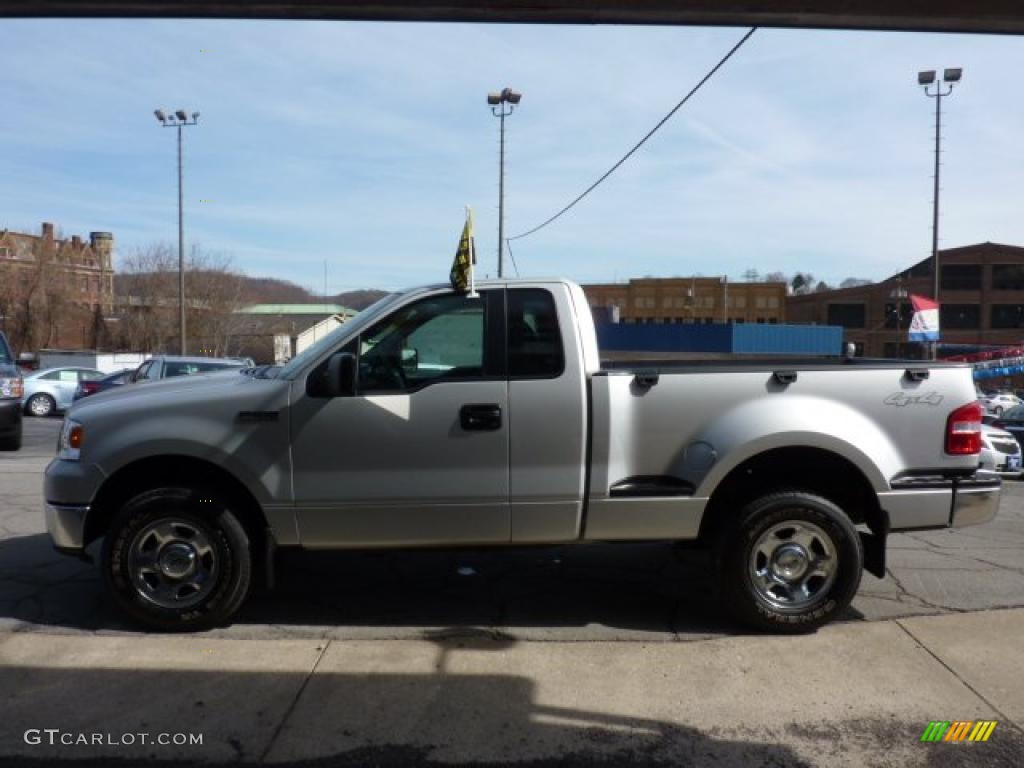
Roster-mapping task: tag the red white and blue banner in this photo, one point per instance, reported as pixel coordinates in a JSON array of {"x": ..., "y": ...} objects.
[{"x": 925, "y": 325}]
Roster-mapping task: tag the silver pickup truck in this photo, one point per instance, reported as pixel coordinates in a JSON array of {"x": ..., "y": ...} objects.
[{"x": 441, "y": 419}]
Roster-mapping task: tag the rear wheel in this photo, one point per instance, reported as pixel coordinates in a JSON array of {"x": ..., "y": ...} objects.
[
  {"x": 792, "y": 562},
  {"x": 41, "y": 405},
  {"x": 177, "y": 559}
]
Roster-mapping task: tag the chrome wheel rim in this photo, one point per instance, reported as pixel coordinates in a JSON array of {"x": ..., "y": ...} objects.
[
  {"x": 39, "y": 406},
  {"x": 172, "y": 563},
  {"x": 793, "y": 565}
]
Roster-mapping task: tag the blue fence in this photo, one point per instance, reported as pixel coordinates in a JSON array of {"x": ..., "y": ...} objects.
[{"x": 739, "y": 338}]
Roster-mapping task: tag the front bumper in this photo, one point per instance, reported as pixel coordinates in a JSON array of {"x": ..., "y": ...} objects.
[
  {"x": 68, "y": 488},
  {"x": 937, "y": 502},
  {"x": 10, "y": 417},
  {"x": 66, "y": 526}
]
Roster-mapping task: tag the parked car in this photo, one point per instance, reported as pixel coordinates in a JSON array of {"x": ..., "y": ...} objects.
[
  {"x": 11, "y": 390},
  {"x": 997, "y": 404},
  {"x": 440, "y": 419},
  {"x": 88, "y": 387},
  {"x": 1000, "y": 451},
  {"x": 167, "y": 366},
  {"x": 1011, "y": 421},
  {"x": 53, "y": 390}
]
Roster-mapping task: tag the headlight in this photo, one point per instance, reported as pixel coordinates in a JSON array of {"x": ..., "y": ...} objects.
[
  {"x": 12, "y": 387},
  {"x": 69, "y": 447}
]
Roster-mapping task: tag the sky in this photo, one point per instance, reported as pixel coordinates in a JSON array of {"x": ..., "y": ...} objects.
[{"x": 358, "y": 145}]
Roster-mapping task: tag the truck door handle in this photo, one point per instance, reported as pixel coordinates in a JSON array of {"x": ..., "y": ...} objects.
[{"x": 480, "y": 417}]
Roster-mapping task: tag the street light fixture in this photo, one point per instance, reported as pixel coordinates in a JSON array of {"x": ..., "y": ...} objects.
[
  {"x": 926, "y": 79},
  {"x": 498, "y": 102},
  {"x": 179, "y": 119}
]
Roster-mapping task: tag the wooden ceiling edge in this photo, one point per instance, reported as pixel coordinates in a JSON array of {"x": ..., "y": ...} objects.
[{"x": 512, "y": 13}]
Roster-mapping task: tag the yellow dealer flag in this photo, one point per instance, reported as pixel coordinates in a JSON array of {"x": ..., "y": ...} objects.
[{"x": 465, "y": 257}]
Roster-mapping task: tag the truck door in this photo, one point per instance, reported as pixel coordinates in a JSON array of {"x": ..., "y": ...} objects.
[
  {"x": 548, "y": 415},
  {"x": 419, "y": 455}
]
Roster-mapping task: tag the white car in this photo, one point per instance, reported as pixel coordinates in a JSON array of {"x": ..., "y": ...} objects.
[
  {"x": 1004, "y": 401},
  {"x": 1000, "y": 451}
]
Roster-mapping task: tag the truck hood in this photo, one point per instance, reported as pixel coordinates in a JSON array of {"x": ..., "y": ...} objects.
[{"x": 176, "y": 392}]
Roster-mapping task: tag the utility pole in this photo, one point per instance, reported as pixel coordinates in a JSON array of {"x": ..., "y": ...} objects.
[
  {"x": 498, "y": 102},
  {"x": 179, "y": 120},
  {"x": 925, "y": 80}
]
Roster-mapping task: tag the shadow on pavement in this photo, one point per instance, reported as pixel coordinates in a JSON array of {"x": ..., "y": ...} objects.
[
  {"x": 343, "y": 719},
  {"x": 633, "y": 589}
]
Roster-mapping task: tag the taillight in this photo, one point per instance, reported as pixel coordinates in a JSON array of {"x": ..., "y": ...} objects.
[
  {"x": 963, "y": 430},
  {"x": 89, "y": 387}
]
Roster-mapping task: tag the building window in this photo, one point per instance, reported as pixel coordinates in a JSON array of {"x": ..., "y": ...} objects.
[
  {"x": 709, "y": 302},
  {"x": 741, "y": 302},
  {"x": 960, "y": 316},
  {"x": 905, "y": 316},
  {"x": 1007, "y": 277},
  {"x": 961, "y": 277},
  {"x": 773, "y": 302},
  {"x": 760, "y": 302},
  {"x": 1008, "y": 315},
  {"x": 638, "y": 302},
  {"x": 6, "y": 253},
  {"x": 904, "y": 350},
  {"x": 709, "y": 320},
  {"x": 846, "y": 315},
  {"x": 773, "y": 321}
]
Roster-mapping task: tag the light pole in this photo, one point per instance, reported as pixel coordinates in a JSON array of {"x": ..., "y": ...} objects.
[
  {"x": 899, "y": 293},
  {"x": 179, "y": 119},
  {"x": 925, "y": 80},
  {"x": 498, "y": 102}
]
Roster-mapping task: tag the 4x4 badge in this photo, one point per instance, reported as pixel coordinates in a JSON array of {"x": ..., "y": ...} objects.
[{"x": 901, "y": 399}]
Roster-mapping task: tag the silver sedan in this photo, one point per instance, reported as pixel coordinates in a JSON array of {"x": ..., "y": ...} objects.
[{"x": 52, "y": 390}]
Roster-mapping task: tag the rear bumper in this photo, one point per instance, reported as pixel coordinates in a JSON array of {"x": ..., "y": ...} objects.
[
  {"x": 10, "y": 417},
  {"x": 936, "y": 502}
]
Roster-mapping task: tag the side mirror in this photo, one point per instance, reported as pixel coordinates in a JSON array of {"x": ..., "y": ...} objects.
[{"x": 341, "y": 374}]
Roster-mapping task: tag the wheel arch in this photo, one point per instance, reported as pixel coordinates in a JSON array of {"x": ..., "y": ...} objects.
[
  {"x": 173, "y": 470},
  {"x": 815, "y": 470}
]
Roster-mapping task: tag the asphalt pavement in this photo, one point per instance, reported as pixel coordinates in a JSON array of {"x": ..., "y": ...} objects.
[{"x": 548, "y": 655}]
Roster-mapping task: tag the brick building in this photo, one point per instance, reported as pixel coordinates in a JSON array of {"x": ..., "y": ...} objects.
[
  {"x": 981, "y": 296},
  {"x": 681, "y": 300},
  {"x": 55, "y": 292}
]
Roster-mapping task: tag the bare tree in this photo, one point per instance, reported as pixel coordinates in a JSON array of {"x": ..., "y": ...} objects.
[{"x": 147, "y": 288}]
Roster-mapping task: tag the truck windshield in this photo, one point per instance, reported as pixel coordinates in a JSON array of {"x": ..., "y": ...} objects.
[{"x": 363, "y": 319}]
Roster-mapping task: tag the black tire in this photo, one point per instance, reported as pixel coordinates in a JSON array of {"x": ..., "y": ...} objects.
[
  {"x": 47, "y": 405},
  {"x": 763, "y": 520},
  {"x": 12, "y": 443},
  {"x": 202, "y": 516}
]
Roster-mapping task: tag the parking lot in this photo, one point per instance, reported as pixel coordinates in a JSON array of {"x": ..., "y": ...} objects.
[
  {"x": 601, "y": 592},
  {"x": 552, "y": 655}
]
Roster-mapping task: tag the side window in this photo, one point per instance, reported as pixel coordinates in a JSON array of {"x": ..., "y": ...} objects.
[
  {"x": 439, "y": 338},
  {"x": 89, "y": 375},
  {"x": 71, "y": 376},
  {"x": 52, "y": 376},
  {"x": 141, "y": 372},
  {"x": 534, "y": 341}
]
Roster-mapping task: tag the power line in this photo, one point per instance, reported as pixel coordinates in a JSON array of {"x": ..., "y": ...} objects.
[{"x": 642, "y": 141}]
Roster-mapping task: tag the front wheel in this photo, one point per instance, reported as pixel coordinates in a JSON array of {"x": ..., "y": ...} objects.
[
  {"x": 41, "y": 405},
  {"x": 177, "y": 559},
  {"x": 792, "y": 562}
]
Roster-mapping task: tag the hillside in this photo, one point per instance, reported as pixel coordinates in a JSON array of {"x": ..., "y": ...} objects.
[{"x": 266, "y": 290}]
